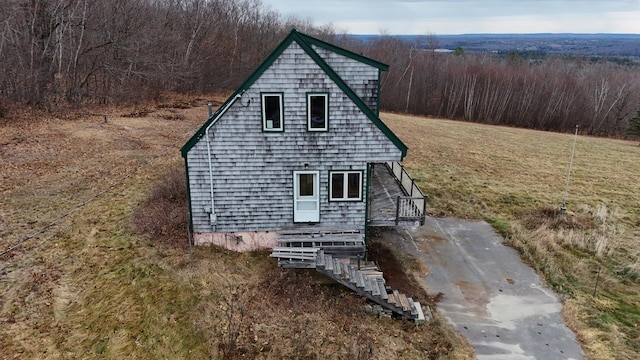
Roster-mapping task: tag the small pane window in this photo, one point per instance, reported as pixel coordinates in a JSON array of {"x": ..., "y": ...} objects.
[
  {"x": 318, "y": 112},
  {"x": 306, "y": 185},
  {"x": 346, "y": 186},
  {"x": 272, "y": 112},
  {"x": 353, "y": 187},
  {"x": 337, "y": 186}
]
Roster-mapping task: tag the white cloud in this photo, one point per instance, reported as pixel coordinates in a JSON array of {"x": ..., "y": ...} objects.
[{"x": 467, "y": 16}]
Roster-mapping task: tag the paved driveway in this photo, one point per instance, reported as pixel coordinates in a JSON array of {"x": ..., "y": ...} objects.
[{"x": 490, "y": 296}]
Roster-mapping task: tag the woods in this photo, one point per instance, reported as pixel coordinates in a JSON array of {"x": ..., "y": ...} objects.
[
  {"x": 84, "y": 52},
  {"x": 81, "y": 52},
  {"x": 553, "y": 94}
]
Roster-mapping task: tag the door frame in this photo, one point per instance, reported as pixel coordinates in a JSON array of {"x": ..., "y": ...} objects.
[{"x": 306, "y": 216}]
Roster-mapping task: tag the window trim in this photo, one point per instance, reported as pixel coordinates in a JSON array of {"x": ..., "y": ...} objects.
[
  {"x": 263, "y": 114},
  {"x": 326, "y": 111},
  {"x": 345, "y": 174}
]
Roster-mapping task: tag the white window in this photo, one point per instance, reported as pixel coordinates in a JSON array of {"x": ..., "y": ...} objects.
[
  {"x": 317, "y": 112},
  {"x": 345, "y": 185},
  {"x": 272, "y": 112}
]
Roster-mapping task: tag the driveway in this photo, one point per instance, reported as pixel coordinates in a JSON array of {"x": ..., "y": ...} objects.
[{"x": 490, "y": 296}]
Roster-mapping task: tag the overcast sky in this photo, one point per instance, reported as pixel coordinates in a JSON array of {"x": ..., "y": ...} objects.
[{"x": 441, "y": 17}]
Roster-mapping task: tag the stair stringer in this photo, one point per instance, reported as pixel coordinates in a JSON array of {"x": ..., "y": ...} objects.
[
  {"x": 363, "y": 293},
  {"x": 334, "y": 269}
]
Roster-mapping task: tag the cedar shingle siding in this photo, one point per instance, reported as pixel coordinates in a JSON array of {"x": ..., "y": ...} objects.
[
  {"x": 253, "y": 169},
  {"x": 361, "y": 78}
]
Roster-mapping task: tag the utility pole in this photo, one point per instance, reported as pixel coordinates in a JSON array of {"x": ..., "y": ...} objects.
[{"x": 563, "y": 208}]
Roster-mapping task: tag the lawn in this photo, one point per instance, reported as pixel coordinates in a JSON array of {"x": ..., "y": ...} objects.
[{"x": 78, "y": 281}]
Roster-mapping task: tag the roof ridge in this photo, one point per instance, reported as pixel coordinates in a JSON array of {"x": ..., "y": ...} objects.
[{"x": 342, "y": 51}]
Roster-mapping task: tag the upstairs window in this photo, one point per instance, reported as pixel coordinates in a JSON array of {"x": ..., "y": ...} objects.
[
  {"x": 318, "y": 112},
  {"x": 272, "y": 112},
  {"x": 345, "y": 185}
]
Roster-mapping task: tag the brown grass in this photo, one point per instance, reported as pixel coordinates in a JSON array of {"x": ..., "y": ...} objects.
[
  {"x": 515, "y": 179},
  {"x": 163, "y": 217},
  {"x": 87, "y": 286}
]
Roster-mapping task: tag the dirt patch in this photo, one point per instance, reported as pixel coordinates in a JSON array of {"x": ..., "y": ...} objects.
[{"x": 400, "y": 268}]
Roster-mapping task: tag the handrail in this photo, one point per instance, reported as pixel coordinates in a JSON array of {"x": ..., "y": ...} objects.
[
  {"x": 412, "y": 207},
  {"x": 403, "y": 177}
]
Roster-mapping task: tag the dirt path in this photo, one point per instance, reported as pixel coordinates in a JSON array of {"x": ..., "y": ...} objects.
[{"x": 497, "y": 302}]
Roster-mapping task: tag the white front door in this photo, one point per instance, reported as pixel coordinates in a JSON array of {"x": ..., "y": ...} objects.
[{"x": 306, "y": 196}]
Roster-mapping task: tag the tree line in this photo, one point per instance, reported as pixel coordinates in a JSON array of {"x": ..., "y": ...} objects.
[{"x": 82, "y": 52}]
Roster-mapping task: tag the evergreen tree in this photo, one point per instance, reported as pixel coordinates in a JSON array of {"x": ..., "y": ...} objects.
[{"x": 634, "y": 125}]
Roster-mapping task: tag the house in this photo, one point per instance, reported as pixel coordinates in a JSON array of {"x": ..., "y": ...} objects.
[
  {"x": 292, "y": 156},
  {"x": 298, "y": 160}
]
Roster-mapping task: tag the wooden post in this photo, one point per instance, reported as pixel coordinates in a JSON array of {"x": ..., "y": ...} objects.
[
  {"x": 595, "y": 288},
  {"x": 424, "y": 209}
]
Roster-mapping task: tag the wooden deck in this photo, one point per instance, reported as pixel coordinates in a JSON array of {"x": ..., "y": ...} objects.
[
  {"x": 297, "y": 247},
  {"x": 384, "y": 192}
]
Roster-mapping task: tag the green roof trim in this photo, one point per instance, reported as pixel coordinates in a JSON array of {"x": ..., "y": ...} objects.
[
  {"x": 305, "y": 42},
  {"x": 344, "y": 52}
]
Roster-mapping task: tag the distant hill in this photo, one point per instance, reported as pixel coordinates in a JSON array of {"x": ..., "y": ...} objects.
[{"x": 619, "y": 45}]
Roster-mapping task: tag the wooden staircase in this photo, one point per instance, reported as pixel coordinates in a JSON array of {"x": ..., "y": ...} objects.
[{"x": 361, "y": 277}]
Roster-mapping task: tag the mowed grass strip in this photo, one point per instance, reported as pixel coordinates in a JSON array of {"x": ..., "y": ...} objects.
[{"x": 515, "y": 179}]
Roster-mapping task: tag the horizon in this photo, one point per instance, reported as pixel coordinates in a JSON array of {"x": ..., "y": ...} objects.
[{"x": 501, "y": 34}]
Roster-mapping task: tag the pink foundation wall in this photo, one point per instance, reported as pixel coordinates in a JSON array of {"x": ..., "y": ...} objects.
[{"x": 248, "y": 240}]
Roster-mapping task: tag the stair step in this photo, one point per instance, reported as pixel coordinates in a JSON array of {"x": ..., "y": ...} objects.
[
  {"x": 352, "y": 274},
  {"x": 382, "y": 289},
  {"x": 336, "y": 267},
  {"x": 295, "y": 253},
  {"x": 359, "y": 279},
  {"x": 420, "y": 316},
  {"x": 393, "y": 298},
  {"x": 367, "y": 284},
  {"x": 372, "y": 273},
  {"x": 412, "y": 307},
  {"x": 375, "y": 289},
  {"x": 344, "y": 269},
  {"x": 320, "y": 259},
  {"x": 328, "y": 262},
  {"x": 368, "y": 265},
  {"x": 404, "y": 302}
]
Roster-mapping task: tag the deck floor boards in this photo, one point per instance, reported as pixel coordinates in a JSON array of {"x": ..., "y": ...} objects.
[{"x": 384, "y": 196}]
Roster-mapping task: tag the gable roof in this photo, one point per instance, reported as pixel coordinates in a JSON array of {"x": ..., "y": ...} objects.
[{"x": 305, "y": 42}]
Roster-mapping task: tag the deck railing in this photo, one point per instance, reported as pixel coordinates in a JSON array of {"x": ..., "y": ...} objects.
[{"x": 412, "y": 207}]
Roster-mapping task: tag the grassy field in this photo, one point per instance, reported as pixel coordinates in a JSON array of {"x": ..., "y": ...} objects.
[
  {"x": 81, "y": 284},
  {"x": 515, "y": 179},
  {"x": 77, "y": 282}
]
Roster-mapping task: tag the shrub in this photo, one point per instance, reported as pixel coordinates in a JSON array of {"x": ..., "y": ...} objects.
[{"x": 164, "y": 215}]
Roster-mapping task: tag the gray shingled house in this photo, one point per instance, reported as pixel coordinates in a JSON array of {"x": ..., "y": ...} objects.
[{"x": 298, "y": 157}]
